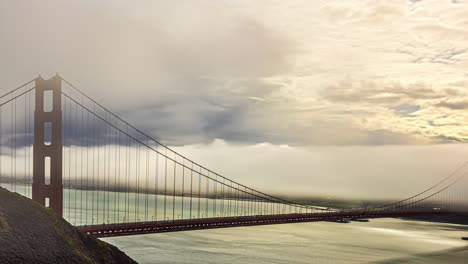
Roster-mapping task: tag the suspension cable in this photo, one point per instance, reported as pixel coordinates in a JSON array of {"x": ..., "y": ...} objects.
[{"x": 273, "y": 198}]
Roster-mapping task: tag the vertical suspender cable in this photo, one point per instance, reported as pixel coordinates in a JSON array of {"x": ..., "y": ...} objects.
[
  {"x": 137, "y": 169},
  {"x": 104, "y": 191},
  {"x": 118, "y": 189},
  {"x": 87, "y": 166},
  {"x": 25, "y": 145},
  {"x": 165, "y": 184},
  {"x": 31, "y": 142},
  {"x": 191, "y": 189},
  {"x": 174, "y": 188},
  {"x": 156, "y": 190},
  {"x": 147, "y": 181},
  {"x": 75, "y": 180},
  {"x": 81, "y": 128},
  {"x": 126, "y": 210},
  {"x": 222, "y": 199},
  {"x": 14, "y": 146},
  {"x": 98, "y": 170},
  {"x": 199, "y": 192},
  {"x": 183, "y": 183},
  {"x": 95, "y": 146},
  {"x": 230, "y": 198},
  {"x": 69, "y": 159},
  {"x": 215, "y": 194},
  {"x": 207, "y": 195},
  {"x": 108, "y": 146}
]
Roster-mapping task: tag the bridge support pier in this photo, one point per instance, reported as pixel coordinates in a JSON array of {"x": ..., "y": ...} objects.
[{"x": 48, "y": 185}]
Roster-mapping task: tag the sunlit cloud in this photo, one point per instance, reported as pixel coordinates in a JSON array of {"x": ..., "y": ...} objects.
[
  {"x": 295, "y": 74},
  {"x": 375, "y": 69}
]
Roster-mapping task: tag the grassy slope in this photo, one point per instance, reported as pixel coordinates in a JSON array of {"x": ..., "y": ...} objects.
[{"x": 32, "y": 233}]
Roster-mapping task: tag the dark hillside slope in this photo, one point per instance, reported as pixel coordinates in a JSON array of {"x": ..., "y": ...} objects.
[{"x": 30, "y": 233}]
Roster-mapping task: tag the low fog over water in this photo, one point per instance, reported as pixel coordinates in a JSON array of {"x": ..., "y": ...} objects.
[{"x": 357, "y": 172}]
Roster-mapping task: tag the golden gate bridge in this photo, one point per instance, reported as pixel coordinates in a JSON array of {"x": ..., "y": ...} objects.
[{"x": 66, "y": 151}]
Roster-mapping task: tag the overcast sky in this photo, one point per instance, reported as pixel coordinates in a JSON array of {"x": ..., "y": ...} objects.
[{"x": 327, "y": 87}]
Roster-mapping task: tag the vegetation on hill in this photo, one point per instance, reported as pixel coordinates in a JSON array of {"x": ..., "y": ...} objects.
[{"x": 31, "y": 233}]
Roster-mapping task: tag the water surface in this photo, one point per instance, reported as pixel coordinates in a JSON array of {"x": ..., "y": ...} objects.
[{"x": 379, "y": 241}]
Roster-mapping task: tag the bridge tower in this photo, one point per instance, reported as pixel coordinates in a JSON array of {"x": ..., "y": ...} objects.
[{"x": 48, "y": 185}]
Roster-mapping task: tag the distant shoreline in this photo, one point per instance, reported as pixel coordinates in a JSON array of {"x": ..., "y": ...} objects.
[{"x": 459, "y": 219}]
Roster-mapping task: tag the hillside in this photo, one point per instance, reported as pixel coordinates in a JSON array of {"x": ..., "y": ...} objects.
[{"x": 30, "y": 233}]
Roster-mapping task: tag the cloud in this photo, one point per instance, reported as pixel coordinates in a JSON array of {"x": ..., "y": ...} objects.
[
  {"x": 140, "y": 58},
  {"x": 321, "y": 73},
  {"x": 448, "y": 139},
  {"x": 309, "y": 92},
  {"x": 406, "y": 109},
  {"x": 449, "y": 56},
  {"x": 454, "y": 105},
  {"x": 184, "y": 80},
  {"x": 377, "y": 93}
]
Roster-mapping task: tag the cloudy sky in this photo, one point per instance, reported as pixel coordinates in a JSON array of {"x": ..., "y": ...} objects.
[{"x": 326, "y": 94}]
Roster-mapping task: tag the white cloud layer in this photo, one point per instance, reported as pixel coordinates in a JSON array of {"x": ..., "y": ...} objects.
[
  {"x": 300, "y": 73},
  {"x": 295, "y": 72},
  {"x": 336, "y": 172},
  {"x": 362, "y": 172}
]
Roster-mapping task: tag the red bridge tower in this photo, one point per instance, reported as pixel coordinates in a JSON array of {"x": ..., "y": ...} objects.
[{"x": 47, "y": 185}]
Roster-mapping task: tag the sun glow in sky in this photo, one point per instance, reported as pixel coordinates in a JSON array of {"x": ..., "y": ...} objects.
[{"x": 327, "y": 81}]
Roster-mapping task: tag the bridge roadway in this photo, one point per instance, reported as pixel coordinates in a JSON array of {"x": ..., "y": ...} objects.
[{"x": 125, "y": 229}]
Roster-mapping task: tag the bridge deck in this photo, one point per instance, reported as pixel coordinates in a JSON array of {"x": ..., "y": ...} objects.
[{"x": 109, "y": 230}]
